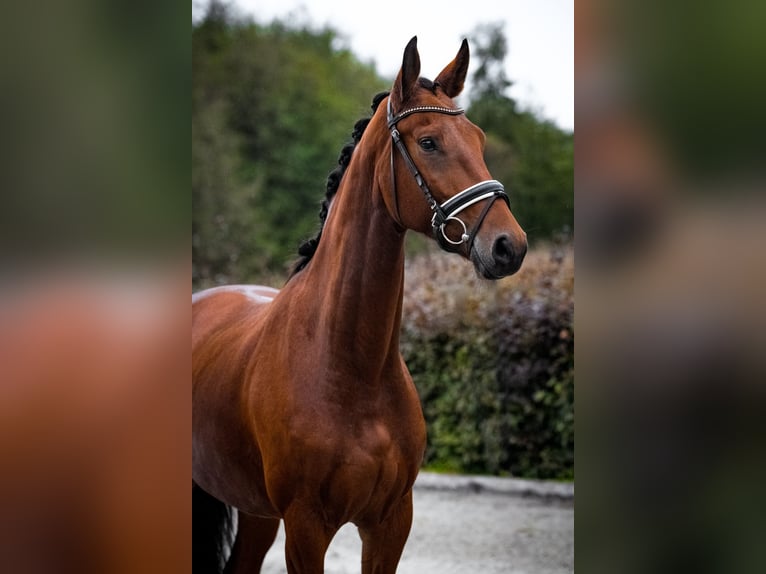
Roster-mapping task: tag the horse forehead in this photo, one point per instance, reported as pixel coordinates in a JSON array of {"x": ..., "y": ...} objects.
[{"x": 460, "y": 125}]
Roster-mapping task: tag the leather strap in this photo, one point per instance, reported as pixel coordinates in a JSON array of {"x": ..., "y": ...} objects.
[{"x": 489, "y": 189}]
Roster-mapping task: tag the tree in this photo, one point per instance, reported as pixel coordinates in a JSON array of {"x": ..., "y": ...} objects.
[
  {"x": 272, "y": 105},
  {"x": 490, "y": 48},
  {"x": 531, "y": 155}
]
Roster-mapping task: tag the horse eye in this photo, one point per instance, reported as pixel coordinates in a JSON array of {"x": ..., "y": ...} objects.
[{"x": 427, "y": 144}]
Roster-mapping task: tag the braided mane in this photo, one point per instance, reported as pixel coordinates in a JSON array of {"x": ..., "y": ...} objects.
[{"x": 307, "y": 249}]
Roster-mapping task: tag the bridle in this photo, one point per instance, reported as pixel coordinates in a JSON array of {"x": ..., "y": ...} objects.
[{"x": 442, "y": 214}]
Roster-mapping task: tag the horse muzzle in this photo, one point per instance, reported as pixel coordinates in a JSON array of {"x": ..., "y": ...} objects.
[{"x": 504, "y": 258}]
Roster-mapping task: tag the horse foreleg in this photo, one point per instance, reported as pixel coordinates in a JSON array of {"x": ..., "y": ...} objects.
[
  {"x": 383, "y": 543},
  {"x": 255, "y": 536},
  {"x": 307, "y": 538}
]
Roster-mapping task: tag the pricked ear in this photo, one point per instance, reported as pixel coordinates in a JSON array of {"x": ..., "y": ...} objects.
[
  {"x": 409, "y": 73},
  {"x": 452, "y": 77}
]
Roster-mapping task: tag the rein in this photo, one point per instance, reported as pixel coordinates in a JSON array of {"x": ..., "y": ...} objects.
[{"x": 442, "y": 214}]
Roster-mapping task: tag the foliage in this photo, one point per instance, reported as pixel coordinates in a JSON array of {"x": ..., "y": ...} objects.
[
  {"x": 271, "y": 107},
  {"x": 494, "y": 363}
]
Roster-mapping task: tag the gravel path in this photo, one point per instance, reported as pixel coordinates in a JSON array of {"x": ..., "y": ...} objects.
[{"x": 466, "y": 525}]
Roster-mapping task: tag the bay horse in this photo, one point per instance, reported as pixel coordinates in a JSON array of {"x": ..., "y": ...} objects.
[{"x": 303, "y": 409}]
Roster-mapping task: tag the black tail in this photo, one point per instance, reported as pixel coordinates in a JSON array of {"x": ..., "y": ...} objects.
[{"x": 211, "y": 532}]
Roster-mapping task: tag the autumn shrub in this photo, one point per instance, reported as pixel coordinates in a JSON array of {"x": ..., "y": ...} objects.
[{"x": 494, "y": 363}]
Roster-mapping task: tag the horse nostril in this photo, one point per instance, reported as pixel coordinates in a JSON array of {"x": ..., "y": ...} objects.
[
  {"x": 502, "y": 251},
  {"x": 506, "y": 258}
]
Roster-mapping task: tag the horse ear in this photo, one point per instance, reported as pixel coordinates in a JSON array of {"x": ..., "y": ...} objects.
[
  {"x": 452, "y": 77},
  {"x": 409, "y": 74}
]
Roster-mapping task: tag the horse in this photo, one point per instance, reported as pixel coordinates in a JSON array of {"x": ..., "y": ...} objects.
[{"x": 303, "y": 409}]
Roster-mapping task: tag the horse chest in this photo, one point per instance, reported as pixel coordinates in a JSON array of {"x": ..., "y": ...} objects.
[
  {"x": 352, "y": 472},
  {"x": 365, "y": 474}
]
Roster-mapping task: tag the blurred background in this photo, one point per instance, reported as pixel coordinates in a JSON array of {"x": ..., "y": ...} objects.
[
  {"x": 95, "y": 407},
  {"x": 671, "y": 272}
]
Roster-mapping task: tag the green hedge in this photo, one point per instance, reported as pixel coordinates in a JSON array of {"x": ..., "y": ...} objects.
[{"x": 494, "y": 364}]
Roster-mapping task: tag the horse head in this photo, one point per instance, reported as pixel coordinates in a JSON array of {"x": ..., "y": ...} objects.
[{"x": 440, "y": 184}]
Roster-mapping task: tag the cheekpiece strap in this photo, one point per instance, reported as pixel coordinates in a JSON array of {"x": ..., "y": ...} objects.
[{"x": 392, "y": 121}]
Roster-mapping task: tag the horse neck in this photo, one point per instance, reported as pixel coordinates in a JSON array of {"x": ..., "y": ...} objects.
[{"x": 357, "y": 273}]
